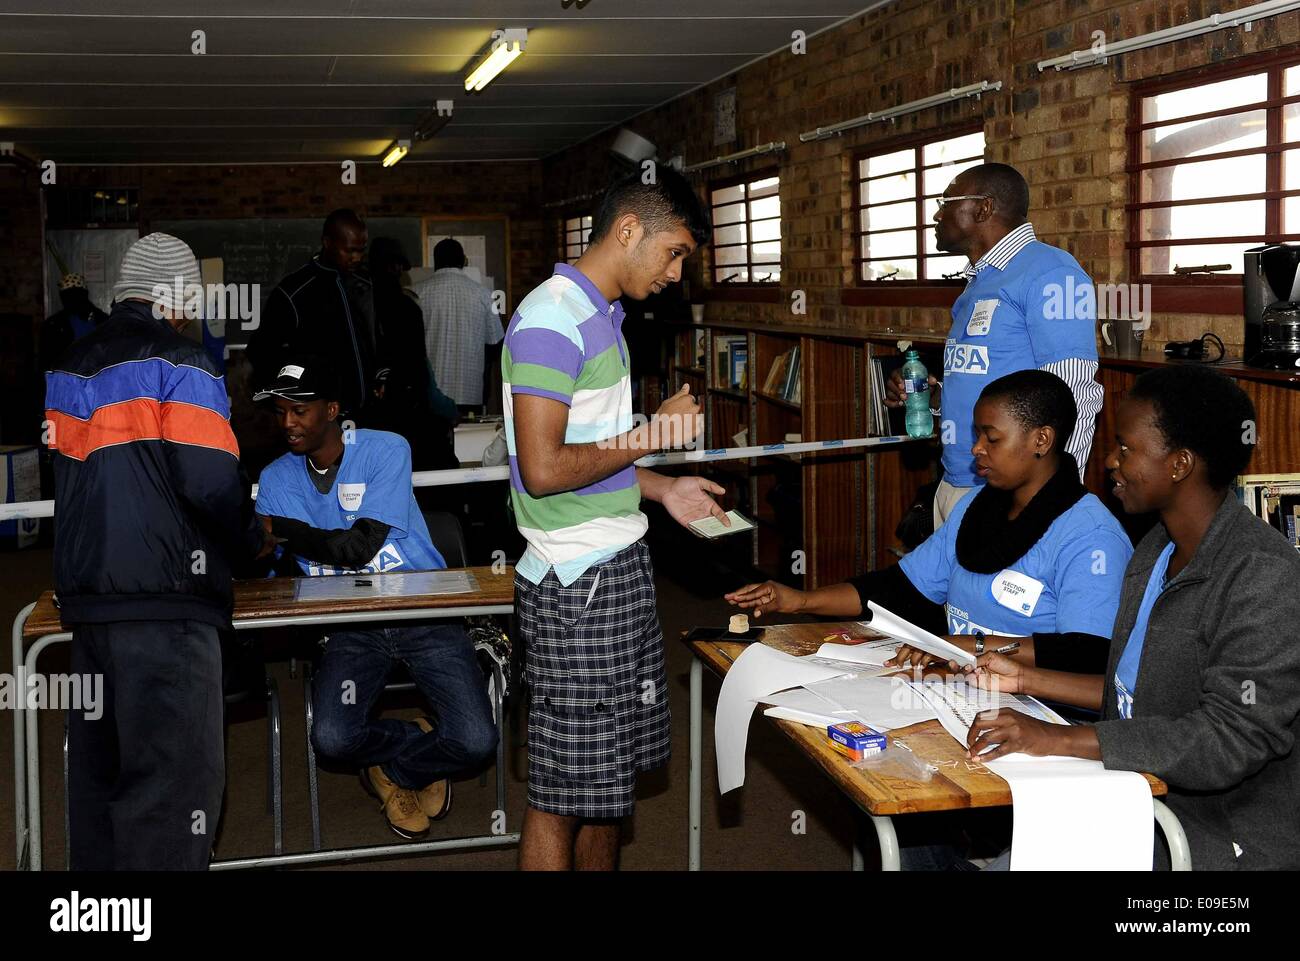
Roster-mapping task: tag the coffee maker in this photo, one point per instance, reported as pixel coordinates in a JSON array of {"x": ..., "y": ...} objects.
[{"x": 1271, "y": 296}]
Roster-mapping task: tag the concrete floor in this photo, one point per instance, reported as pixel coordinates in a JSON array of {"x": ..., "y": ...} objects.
[{"x": 749, "y": 829}]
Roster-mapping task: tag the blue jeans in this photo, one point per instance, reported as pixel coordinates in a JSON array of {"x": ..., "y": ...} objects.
[{"x": 441, "y": 661}]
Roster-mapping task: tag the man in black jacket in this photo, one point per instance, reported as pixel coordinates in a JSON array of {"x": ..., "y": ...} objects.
[
  {"x": 151, "y": 518},
  {"x": 78, "y": 317},
  {"x": 324, "y": 307}
]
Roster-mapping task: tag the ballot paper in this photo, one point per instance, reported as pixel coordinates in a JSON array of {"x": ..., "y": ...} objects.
[
  {"x": 803, "y": 707},
  {"x": 957, "y": 701},
  {"x": 338, "y": 587},
  {"x": 1071, "y": 814},
  {"x": 917, "y": 637},
  {"x": 884, "y": 703},
  {"x": 869, "y": 653},
  {"x": 756, "y": 674}
]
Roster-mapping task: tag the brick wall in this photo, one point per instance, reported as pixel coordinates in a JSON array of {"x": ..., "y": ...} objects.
[
  {"x": 1064, "y": 130},
  {"x": 214, "y": 192},
  {"x": 21, "y": 280}
]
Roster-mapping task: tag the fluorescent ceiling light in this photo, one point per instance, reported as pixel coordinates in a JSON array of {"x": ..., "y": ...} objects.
[
  {"x": 399, "y": 149},
  {"x": 506, "y": 48}
]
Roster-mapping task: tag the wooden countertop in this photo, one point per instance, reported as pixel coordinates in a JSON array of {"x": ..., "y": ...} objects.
[
  {"x": 959, "y": 783},
  {"x": 276, "y": 597}
]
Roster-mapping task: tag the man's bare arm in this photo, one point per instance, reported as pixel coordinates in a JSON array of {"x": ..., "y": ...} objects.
[{"x": 547, "y": 465}]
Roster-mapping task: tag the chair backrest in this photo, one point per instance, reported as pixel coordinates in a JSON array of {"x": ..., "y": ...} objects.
[{"x": 447, "y": 536}]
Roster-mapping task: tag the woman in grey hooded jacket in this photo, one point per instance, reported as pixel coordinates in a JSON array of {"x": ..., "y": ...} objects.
[{"x": 1202, "y": 687}]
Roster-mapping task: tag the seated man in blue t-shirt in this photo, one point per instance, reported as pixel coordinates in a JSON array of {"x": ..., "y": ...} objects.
[{"x": 344, "y": 505}]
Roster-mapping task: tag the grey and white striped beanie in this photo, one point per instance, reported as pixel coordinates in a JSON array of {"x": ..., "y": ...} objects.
[{"x": 153, "y": 269}]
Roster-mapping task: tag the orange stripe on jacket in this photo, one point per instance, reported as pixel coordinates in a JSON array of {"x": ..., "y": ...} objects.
[
  {"x": 200, "y": 426},
  {"x": 135, "y": 420}
]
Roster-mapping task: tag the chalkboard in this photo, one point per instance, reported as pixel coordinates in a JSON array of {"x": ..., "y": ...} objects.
[{"x": 263, "y": 251}]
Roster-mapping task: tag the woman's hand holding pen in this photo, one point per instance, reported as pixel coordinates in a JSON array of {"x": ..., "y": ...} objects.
[{"x": 997, "y": 672}]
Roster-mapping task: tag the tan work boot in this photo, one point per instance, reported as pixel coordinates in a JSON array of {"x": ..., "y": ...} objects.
[
  {"x": 399, "y": 804},
  {"x": 435, "y": 799}
]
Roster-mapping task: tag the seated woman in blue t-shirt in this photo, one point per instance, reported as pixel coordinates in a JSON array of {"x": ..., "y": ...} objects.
[
  {"x": 1031, "y": 555},
  {"x": 1202, "y": 684}
]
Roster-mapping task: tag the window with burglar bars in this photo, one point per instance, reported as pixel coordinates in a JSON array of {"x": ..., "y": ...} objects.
[
  {"x": 897, "y": 196},
  {"x": 1214, "y": 169},
  {"x": 575, "y": 235},
  {"x": 746, "y": 245}
]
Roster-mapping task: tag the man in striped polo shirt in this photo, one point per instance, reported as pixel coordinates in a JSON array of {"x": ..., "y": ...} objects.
[{"x": 584, "y": 588}]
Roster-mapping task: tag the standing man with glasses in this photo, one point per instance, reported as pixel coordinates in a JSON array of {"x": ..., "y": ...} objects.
[{"x": 1026, "y": 304}]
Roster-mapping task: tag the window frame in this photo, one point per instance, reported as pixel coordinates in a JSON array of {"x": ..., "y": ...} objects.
[
  {"x": 916, "y": 143},
  {"x": 562, "y": 233},
  {"x": 751, "y": 288},
  {"x": 1209, "y": 293}
]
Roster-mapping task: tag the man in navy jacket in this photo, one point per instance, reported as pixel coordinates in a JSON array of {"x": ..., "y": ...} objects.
[{"x": 150, "y": 518}]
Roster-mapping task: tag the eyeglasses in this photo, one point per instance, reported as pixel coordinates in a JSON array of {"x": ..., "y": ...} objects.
[{"x": 944, "y": 201}]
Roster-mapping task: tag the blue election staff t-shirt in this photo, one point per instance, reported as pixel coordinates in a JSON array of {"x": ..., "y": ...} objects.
[
  {"x": 374, "y": 480},
  {"x": 1068, "y": 582},
  {"x": 1126, "y": 671},
  {"x": 1039, "y": 310}
]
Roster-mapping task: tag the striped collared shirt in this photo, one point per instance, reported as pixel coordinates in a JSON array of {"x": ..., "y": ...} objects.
[
  {"x": 1000, "y": 254},
  {"x": 565, "y": 343}
]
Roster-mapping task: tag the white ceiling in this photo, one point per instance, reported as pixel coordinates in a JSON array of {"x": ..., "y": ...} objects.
[{"x": 342, "y": 79}]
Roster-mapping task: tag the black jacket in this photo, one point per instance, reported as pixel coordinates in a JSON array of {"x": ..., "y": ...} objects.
[
  {"x": 1216, "y": 711},
  {"x": 57, "y": 335},
  {"x": 319, "y": 310},
  {"x": 150, "y": 509}
]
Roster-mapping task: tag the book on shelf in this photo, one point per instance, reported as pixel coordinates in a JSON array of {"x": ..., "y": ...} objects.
[
  {"x": 1274, "y": 499},
  {"x": 725, "y": 351},
  {"x": 776, "y": 374},
  {"x": 738, "y": 357},
  {"x": 792, "y": 376}
]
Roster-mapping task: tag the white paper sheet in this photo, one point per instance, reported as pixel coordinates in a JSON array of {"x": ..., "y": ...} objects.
[
  {"x": 884, "y": 703},
  {"x": 411, "y": 584},
  {"x": 802, "y": 706},
  {"x": 957, "y": 701},
  {"x": 1071, "y": 814},
  {"x": 919, "y": 638},
  {"x": 870, "y": 653},
  {"x": 756, "y": 674}
]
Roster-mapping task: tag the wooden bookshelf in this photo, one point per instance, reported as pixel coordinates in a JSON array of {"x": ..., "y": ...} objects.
[
  {"x": 842, "y": 508},
  {"x": 815, "y": 523}
]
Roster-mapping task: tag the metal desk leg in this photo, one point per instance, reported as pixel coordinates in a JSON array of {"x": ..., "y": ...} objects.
[
  {"x": 33, "y": 762},
  {"x": 693, "y": 817},
  {"x": 1180, "y": 856},
  {"x": 20, "y": 757},
  {"x": 857, "y": 861},
  {"x": 889, "y": 859}
]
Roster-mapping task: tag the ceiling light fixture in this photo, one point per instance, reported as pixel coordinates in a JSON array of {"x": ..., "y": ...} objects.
[
  {"x": 396, "y": 152},
  {"x": 507, "y": 45}
]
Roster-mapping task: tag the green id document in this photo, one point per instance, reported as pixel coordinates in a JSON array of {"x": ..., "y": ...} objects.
[{"x": 711, "y": 527}]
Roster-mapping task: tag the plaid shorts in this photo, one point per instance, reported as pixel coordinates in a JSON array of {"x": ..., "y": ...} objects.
[{"x": 594, "y": 661}]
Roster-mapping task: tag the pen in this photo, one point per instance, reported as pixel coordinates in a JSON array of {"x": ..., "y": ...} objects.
[{"x": 1008, "y": 648}]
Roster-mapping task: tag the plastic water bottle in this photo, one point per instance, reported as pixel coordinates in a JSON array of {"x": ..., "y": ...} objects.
[{"x": 916, "y": 386}]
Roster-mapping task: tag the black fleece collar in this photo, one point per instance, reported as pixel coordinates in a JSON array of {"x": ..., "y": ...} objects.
[{"x": 987, "y": 542}]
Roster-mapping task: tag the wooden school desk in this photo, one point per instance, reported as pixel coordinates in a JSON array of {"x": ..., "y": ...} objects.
[
  {"x": 258, "y": 604},
  {"x": 959, "y": 783}
]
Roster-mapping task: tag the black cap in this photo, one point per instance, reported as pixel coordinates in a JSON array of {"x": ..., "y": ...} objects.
[{"x": 304, "y": 377}]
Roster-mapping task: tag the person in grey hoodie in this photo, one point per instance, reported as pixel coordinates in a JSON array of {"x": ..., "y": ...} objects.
[{"x": 1202, "y": 687}]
